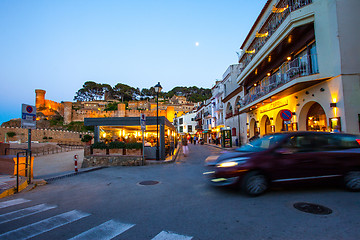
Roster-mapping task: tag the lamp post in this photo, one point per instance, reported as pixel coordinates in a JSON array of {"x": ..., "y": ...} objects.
[
  {"x": 238, "y": 106},
  {"x": 157, "y": 90}
]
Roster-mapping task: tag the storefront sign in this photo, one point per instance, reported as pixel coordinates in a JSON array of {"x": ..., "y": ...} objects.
[{"x": 274, "y": 105}]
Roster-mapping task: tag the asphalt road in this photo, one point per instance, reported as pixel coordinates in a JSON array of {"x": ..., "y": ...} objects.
[{"x": 181, "y": 206}]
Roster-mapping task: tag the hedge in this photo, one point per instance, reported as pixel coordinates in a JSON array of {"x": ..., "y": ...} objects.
[{"x": 117, "y": 145}]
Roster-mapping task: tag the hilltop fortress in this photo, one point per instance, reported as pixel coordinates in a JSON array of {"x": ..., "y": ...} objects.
[{"x": 77, "y": 111}]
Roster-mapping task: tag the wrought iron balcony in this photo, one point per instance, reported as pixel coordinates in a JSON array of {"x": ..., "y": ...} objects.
[
  {"x": 299, "y": 67},
  {"x": 279, "y": 14}
]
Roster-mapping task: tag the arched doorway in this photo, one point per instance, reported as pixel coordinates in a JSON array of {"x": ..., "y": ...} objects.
[
  {"x": 253, "y": 127},
  {"x": 316, "y": 118},
  {"x": 265, "y": 125}
]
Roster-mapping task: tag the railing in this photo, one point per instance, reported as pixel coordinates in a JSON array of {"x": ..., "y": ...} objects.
[
  {"x": 299, "y": 67},
  {"x": 283, "y": 9}
]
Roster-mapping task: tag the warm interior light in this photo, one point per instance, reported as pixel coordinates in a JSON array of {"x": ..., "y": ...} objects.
[
  {"x": 254, "y": 84},
  {"x": 104, "y": 135},
  {"x": 268, "y": 74},
  {"x": 288, "y": 58}
]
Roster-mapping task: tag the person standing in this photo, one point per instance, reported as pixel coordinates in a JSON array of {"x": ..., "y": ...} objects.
[{"x": 185, "y": 147}]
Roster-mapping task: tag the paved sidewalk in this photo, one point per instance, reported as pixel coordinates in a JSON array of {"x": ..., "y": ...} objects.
[{"x": 8, "y": 185}]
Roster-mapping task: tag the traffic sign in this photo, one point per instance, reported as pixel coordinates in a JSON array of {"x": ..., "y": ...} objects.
[
  {"x": 28, "y": 116},
  {"x": 286, "y": 114}
]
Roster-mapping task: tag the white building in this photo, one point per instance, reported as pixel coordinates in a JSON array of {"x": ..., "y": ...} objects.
[
  {"x": 302, "y": 56},
  {"x": 186, "y": 123}
]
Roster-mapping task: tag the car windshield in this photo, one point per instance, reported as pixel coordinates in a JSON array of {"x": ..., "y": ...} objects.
[{"x": 262, "y": 144}]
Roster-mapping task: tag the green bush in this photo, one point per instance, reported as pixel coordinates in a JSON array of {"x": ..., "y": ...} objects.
[
  {"x": 11, "y": 134},
  {"x": 134, "y": 145},
  {"x": 117, "y": 145},
  {"x": 100, "y": 145},
  {"x": 86, "y": 138},
  {"x": 45, "y": 137}
]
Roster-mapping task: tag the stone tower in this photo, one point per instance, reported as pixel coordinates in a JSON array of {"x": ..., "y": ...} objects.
[
  {"x": 40, "y": 98},
  {"x": 67, "y": 112}
]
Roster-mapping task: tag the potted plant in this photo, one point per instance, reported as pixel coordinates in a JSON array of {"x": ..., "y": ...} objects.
[
  {"x": 117, "y": 148},
  {"x": 87, "y": 139},
  {"x": 99, "y": 148},
  {"x": 133, "y": 148}
]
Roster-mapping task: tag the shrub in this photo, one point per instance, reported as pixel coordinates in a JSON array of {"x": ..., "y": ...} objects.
[
  {"x": 11, "y": 134},
  {"x": 45, "y": 137},
  {"x": 99, "y": 145},
  {"x": 86, "y": 138},
  {"x": 134, "y": 145},
  {"x": 117, "y": 145}
]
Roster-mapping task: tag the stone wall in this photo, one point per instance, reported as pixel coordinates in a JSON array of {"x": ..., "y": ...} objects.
[
  {"x": 111, "y": 160},
  {"x": 39, "y": 134}
]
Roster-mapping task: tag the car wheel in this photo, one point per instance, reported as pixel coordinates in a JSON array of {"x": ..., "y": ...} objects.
[
  {"x": 254, "y": 183},
  {"x": 352, "y": 180}
]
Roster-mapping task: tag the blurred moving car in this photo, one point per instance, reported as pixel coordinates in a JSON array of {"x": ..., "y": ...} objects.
[{"x": 289, "y": 157}]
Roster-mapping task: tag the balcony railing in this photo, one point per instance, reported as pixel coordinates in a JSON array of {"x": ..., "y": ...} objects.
[
  {"x": 299, "y": 67},
  {"x": 283, "y": 9}
]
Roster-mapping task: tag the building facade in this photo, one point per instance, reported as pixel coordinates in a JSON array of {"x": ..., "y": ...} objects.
[{"x": 302, "y": 57}]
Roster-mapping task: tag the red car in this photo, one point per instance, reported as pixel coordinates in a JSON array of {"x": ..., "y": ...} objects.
[{"x": 289, "y": 157}]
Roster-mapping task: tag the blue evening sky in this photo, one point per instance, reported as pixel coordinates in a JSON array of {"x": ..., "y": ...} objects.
[{"x": 57, "y": 45}]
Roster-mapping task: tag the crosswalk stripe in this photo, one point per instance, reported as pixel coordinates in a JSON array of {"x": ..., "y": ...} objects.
[
  {"x": 107, "y": 230},
  {"x": 44, "y": 225},
  {"x": 13, "y": 202},
  {"x": 170, "y": 236},
  {"x": 7, "y": 217}
]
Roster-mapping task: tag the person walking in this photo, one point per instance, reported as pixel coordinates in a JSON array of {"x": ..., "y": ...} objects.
[{"x": 185, "y": 147}]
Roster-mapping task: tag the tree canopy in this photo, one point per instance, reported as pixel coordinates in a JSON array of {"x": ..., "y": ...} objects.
[{"x": 96, "y": 91}]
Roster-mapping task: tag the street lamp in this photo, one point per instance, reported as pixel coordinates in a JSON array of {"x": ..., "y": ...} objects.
[
  {"x": 157, "y": 90},
  {"x": 238, "y": 106}
]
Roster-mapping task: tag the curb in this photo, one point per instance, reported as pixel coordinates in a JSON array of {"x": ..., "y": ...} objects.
[
  {"x": 12, "y": 190},
  {"x": 154, "y": 162},
  {"x": 81, "y": 171}
]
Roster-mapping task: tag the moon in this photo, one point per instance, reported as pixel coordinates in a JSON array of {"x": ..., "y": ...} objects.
[{"x": 197, "y": 44}]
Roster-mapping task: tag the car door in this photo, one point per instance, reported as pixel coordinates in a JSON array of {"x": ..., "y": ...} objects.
[{"x": 298, "y": 158}]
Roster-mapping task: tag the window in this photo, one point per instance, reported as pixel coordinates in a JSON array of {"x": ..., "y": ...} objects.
[
  {"x": 181, "y": 129},
  {"x": 181, "y": 120},
  {"x": 189, "y": 128}
]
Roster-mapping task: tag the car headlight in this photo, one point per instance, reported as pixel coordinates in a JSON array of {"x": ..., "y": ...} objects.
[{"x": 233, "y": 162}]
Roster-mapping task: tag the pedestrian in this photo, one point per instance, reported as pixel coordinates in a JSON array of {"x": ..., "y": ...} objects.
[
  {"x": 185, "y": 147},
  {"x": 194, "y": 140}
]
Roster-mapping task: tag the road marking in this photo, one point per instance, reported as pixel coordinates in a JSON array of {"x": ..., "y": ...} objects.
[
  {"x": 107, "y": 230},
  {"x": 45, "y": 225},
  {"x": 7, "y": 217},
  {"x": 13, "y": 202},
  {"x": 170, "y": 236}
]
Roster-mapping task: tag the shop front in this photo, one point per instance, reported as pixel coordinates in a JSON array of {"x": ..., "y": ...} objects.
[
  {"x": 128, "y": 130},
  {"x": 313, "y": 109}
]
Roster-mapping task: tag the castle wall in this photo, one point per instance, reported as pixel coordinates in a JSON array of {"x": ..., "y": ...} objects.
[{"x": 39, "y": 134}]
